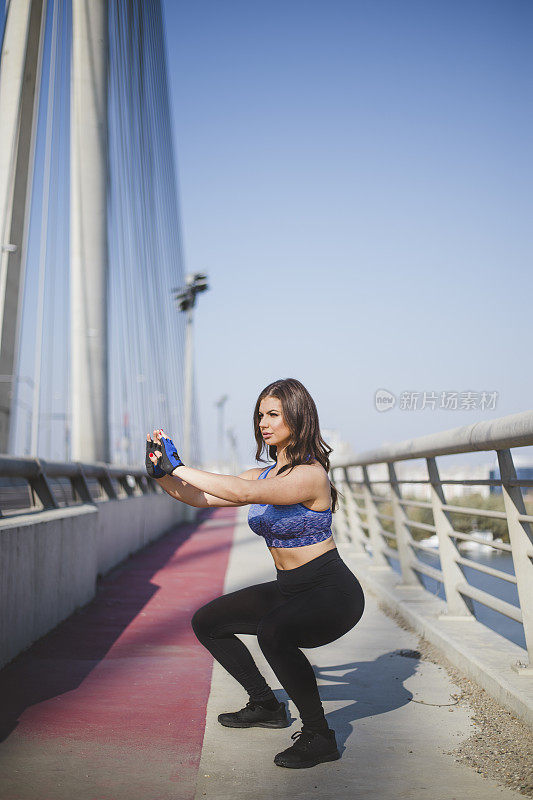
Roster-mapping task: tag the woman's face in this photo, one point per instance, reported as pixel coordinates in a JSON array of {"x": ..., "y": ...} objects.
[{"x": 271, "y": 423}]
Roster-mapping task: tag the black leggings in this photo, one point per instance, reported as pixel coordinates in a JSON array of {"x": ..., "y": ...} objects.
[{"x": 308, "y": 606}]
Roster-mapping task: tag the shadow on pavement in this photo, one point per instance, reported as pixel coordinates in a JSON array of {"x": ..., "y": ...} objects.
[
  {"x": 61, "y": 660},
  {"x": 374, "y": 687}
]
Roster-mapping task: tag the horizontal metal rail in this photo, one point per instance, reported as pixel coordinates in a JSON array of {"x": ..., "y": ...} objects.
[
  {"x": 471, "y": 537},
  {"x": 496, "y": 573},
  {"x": 490, "y": 601},
  {"x": 525, "y": 482},
  {"x": 425, "y": 526},
  {"x": 363, "y": 499},
  {"x": 418, "y": 545},
  {"x": 385, "y": 516},
  {"x": 416, "y": 503},
  {"x": 475, "y": 512},
  {"x": 515, "y": 430},
  {"x": 390, "y": 551},
  {"x": 427, "y": 569},
  {"x": 39, "y": 492}
]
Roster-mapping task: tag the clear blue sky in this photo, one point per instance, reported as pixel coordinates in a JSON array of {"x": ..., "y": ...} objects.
[{"x": 356, "y": 178}]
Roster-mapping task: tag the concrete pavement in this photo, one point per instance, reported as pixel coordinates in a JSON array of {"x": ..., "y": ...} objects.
[
  {"x": 120, "y": 702},
  {"x": 391, "y": 747},
  {"x": 111, "y": 704}
]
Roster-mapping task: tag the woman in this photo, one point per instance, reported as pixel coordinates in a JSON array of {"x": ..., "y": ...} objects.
[{"x": 315, "y": 598}]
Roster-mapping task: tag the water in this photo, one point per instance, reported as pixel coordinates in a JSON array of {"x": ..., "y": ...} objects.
[{"x": 509, "y": 628}]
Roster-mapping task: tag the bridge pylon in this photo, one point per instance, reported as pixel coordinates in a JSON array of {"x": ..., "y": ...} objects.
[
  {"x": 89, "y": 389},
  {"x": 20, "y": 81}
]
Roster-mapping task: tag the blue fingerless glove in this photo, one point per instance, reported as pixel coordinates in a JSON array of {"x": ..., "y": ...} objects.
[
  {"x": 153, "y": 470},
  {"x": 170, "y": 458}
]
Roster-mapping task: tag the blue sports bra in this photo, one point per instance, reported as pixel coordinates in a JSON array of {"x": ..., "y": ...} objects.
[{"x": 289, "y": 526}]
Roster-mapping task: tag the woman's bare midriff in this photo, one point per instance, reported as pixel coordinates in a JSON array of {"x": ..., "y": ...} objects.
[{"x": 292, "y": 557}]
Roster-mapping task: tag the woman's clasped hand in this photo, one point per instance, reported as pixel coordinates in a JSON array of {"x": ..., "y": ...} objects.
[{"x": 161, "y": 455}]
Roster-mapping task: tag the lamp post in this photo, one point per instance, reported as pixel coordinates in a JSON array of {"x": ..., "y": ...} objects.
[
  {"x": 185, "y": 298},
  {"x": 233, "y": 450},
  {"x": 220, "y": 405}
]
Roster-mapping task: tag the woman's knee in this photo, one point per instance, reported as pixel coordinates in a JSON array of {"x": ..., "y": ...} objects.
[
  {"x": 202, "y": 621},
  {"x": 271, "y": 635}
]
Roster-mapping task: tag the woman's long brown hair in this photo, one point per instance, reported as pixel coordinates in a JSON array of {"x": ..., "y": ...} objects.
[{"x": 301, "y": 417}]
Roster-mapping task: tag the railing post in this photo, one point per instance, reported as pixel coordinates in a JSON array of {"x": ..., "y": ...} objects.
[
  {"x": 458, "y": 607},
  {"x": 521, "y": 539},
  {"x": 125, "y": 483},
  {"x": 341, "y": 527},
  {"x": 41, "y": 488},
  {"x": 403, "y": 533},
  {"x": 107, "y": 484},
  {"x": 379, "y": 561},
  {"x": 357, "y": 535},
  {"x": 148, "y": 485},
  {"x": 80, "y": 487}
]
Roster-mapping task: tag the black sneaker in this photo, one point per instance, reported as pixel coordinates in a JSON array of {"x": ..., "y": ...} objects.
[
  {"x": 254, "y": 715},
  {"x": 309, "y": 749}
]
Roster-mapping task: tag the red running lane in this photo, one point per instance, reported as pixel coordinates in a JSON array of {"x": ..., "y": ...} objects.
[{"x": 112, "y": 703}]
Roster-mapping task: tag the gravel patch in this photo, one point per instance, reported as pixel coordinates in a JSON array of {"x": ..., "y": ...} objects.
[{"x": 501, "y": 747}]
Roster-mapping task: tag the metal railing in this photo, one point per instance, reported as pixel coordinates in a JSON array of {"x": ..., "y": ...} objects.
[
  {"x": 362, "y": 521},
  {"x": 29, "y": 485}
]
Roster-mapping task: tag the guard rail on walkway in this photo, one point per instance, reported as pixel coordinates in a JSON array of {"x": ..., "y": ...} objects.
[
  {"x": 33, "y": 484},
  {"x": 360, "y": 520},
  {"x": 61, "y": 526}
]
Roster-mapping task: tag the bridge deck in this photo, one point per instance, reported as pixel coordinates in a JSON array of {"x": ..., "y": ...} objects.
[{"x": 121, "y": 701}]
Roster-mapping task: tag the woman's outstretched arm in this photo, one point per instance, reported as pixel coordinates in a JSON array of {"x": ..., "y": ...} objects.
[
  {"x": 179, "y": 489},
  {"x": 302, "y": 484}
]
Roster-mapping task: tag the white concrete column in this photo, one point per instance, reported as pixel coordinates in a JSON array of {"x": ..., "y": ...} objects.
[{"x": 88, "y": 231}]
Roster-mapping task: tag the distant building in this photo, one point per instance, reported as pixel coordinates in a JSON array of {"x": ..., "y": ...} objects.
[
  {"x": 416, "y": 471},
  {"x": 341, "y": 449},
  {"x": 522, "y": 473}
]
